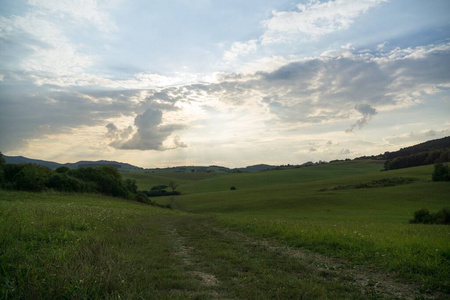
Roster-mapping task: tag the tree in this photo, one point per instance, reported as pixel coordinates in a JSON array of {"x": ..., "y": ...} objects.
[
  {"x": 2, "y": 160},
  {"x": 62, "y": 170},
  {"x": 32, "y": 177},
  {"x": 441, "y": 172},
  {"x": 131, "y": 185},
  {"x": 173, "y": 185},
  {"x": 2, "y": 176}
]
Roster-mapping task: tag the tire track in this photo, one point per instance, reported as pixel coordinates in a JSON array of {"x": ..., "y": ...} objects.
[{"x": 208, "y": 281}]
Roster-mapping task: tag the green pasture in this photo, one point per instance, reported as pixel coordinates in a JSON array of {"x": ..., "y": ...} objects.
[
  {"x": 75, "y": 246},
  {"x": 202, "y": 182},
  {"x": 366, "y": 225},
  {"x": 57, "y": 245}
]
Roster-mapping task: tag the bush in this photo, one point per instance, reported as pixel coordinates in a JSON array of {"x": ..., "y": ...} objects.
[
  {"x": 131, "y": 186},
  {"x": 141, "y": 197},
  {"x": 62, "y": 170},
  {"x": 441, "y": 172},
  {"x": 30, "y": 177},
  {"x": 233, "y": 188},
  {"x": 423, "y": 216},
  {"x": 66, "y": 183},
  {"x": 160, "y": 190},
  {"x": 443, "y": 216},
  {"x": 2, "y": 178},
  {"x": 107, "y": 179}
]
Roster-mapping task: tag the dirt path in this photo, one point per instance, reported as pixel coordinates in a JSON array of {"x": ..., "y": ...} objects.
[
  {"x": 367, "y": 280},
  {"x": 362, "y": 280},
  {"x": 207, "y": 280},
  {"x": 175, "y": 205}
]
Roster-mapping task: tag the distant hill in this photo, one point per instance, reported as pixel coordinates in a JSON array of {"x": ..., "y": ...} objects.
[
  {"x": 125, "y": 166},
  {"x": 214, "y": 169},
  {"x": 257, "y": 168},
  {"x": 437, "y": 144},
  {"x": 54, "y": 165},
  {"x": 443, "y": 143},
  {"x": 25, "y": 160}
]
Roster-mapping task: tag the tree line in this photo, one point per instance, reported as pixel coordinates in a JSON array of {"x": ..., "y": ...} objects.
[
  {"x": 418, "y": 159},
  {"x": 105, "y": 180},
  {"x": 438, "y": 144}
]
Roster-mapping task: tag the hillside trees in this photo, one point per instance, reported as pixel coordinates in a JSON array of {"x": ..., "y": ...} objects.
[
  {"x": 26, "y": 177},
  {"x": 105, "y": 179},
  {"x": 32, "y": 178},
  {"x": 418, "y": 159},
  {"x": 160, "y": 190},
  {"x": 2, "y": 163}
]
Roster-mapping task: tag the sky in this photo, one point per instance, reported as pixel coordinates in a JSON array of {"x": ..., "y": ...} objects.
[{"x": 234, "y": 83}]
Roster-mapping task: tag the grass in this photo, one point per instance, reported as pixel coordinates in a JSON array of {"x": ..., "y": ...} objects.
[
  {"x": 81, "y": 246},
  {"x": 364, "y": 225},
  {"x": 194, "y": 183},
  {"x": 90, "y": 246},
  {"x": 237, "y": 244}
]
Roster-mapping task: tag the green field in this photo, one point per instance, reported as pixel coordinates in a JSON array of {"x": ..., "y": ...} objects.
[{"x": 304, "y": 233}]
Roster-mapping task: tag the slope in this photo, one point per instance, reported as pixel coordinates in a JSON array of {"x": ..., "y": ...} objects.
[{"x": 304, "y": 208}]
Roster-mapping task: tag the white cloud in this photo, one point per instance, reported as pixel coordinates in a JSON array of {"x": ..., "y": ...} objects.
[
  {"x": 47, "y": 54},
  {"x": 314, "y": 19},
  {"x": 48, "y": 51},
  {"x": 417, "y": 136},
  {"x": 240, "y": 49},
  {"x": 92, "y": 11}
]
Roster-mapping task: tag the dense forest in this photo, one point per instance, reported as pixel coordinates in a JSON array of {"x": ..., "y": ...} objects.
[
  {"x": 418, "y": 159},
  {"x": 438, "y": 144}
]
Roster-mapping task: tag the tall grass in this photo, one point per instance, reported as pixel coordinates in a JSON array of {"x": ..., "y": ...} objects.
[{"x": 86, "y": 247}]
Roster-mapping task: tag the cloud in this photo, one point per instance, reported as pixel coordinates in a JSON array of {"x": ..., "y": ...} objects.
[
  {"x": 178, "y": 143},
  {"x": 37, "y": 112},
  {"x": 345, "y": 151},
  {"x": 39, "y": 44},
  {"x": 417, "y": 136},
  {"x": 314, "y": 19},
  {"x": 112, "y": 131},
  {"x": 367, "y": 113},
  {"x": 41, "y": 47},
  {"x": 91, "y": 11},
  {"x": 302, "y": 94},
  {"x": 239, "y": 49},
  {"x": 150, "y": 133}
]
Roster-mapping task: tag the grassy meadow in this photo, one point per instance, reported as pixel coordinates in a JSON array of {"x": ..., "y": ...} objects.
[
  {"x": 306, "y": 233},
  {"x": 363, "y": 225}
]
